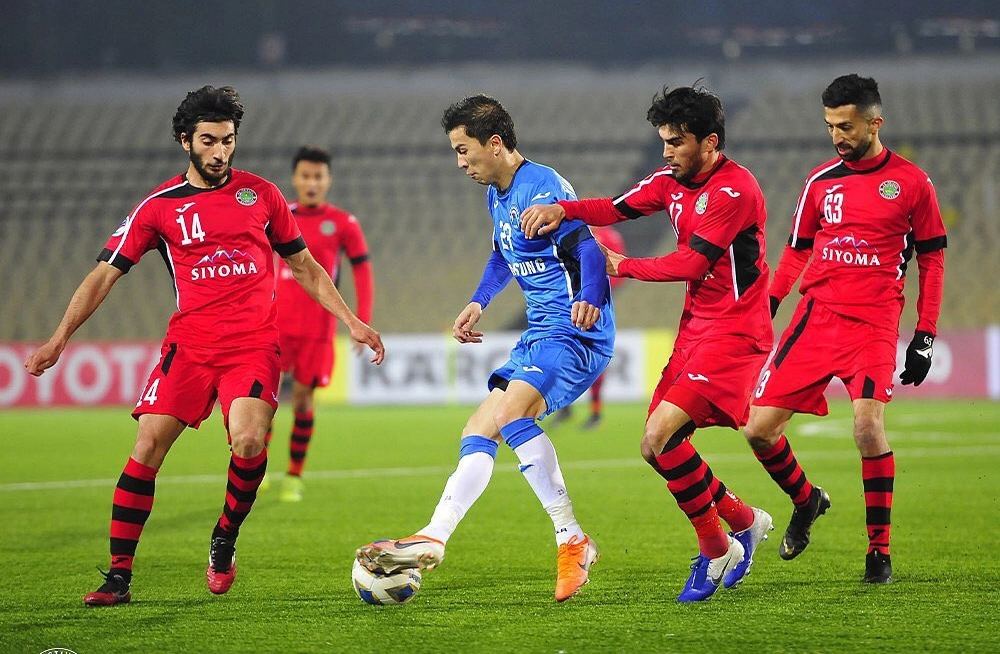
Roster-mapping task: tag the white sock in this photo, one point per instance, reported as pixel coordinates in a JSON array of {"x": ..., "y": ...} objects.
[
  {"x": 540, "y": 467},
  {"x": 463, "y": 488}
]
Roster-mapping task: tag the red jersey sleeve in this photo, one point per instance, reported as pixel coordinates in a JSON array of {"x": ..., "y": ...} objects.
[
  {"x": 791, "y": 265},
  {"x": 134, "y": 237},
  {"x": 282, "y": 230},
  {"x": 356, "y": 249},
  {"x": 599, "y": 211},
  {"x": 728, "y": 214},
  {"x": 806, "y": 220},
  {"x": 929, "y": 240}
]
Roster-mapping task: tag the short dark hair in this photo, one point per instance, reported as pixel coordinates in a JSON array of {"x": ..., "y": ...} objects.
[
  {"x": 311, "y": 153},
  {"x": 482, "y": 117},
  {"x": 688, "y": 109},
  {"x": 207, "y": 104},
  {"x": 862, "y": 92}
]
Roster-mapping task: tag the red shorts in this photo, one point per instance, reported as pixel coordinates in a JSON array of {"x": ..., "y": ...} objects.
[
  {"x": 820, "y": 345},
  {"x": 712, "y": 379},
  {"x": 187, "y": 381},
  {"x": 309, "y": 359}
]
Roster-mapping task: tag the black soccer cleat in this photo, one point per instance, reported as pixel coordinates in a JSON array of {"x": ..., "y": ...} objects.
[
  {"x": 878, "y": 568},
  {"x": 114, "y": 590},
  {"x": 797, "y": 535}
]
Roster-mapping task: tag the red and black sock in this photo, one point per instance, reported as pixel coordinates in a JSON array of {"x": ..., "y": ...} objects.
[
  {"x": 784, "y": 468},
  {"x": 687, "y": 478},
  {"x": 132, "y": 503},
  {"x": 877, "y": 475},
  {"x": 245, "y": 475},
  {"x": 302, "y": 433},
  {"x": 737, "y": 514}
]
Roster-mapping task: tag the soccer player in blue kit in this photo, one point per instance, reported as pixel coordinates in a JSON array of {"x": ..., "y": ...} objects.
[{"x": 567, "y": 345}]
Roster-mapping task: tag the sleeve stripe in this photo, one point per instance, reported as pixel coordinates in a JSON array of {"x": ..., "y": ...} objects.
[
  {"x": 121, "y": 262},
  {"x": 622, "y": 207},
  {"x": 931, "y": 245},
  {"x": 800, "y": 243},
  {"x": 575, "y": 237},
  {"x": 291, "y": 247},
  {"x": 710, "y": 251},
  {"x": 359, "y": 260},
  {"x": 802, "y": 202}
]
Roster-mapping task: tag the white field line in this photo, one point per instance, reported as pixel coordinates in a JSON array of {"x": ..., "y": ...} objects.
[{"x": 379, "y": 473}]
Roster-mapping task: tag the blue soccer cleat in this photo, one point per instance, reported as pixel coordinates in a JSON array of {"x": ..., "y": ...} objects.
[{"x": 707, "y": 574}]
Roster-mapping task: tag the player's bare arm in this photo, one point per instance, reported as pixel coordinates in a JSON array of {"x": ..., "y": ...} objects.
[
  {"x": 315, "y": 280},
  {"x": 541, "y": 219},
  {"x": 88, "y": 296},
  {"x": 466, "y": 321}
]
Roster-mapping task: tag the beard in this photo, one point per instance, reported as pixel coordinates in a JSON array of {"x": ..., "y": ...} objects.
[
  {"x": 857, "y": 152},
  {"x": 211, "y": 178}
]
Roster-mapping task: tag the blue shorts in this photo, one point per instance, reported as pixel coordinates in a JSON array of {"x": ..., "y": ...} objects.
[{"x": 561, "y": 369}]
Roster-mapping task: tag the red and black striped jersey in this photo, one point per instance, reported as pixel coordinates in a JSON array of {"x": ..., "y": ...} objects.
[
  {"x": 862, "y": 222},
  {"x": 329, "y": 232},
  {"x": 719, "y": 220},
  {"x": 218, "y": 245}
]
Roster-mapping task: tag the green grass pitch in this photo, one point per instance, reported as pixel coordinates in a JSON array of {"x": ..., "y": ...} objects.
[{"x": 377, "y": 473}]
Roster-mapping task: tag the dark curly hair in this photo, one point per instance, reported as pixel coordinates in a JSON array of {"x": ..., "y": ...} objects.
[
  {"x": 207, "y": 104},
  {"x": 862, "y": 92},
  {"x": 688, "y": 109},
  {"x": 482, "y": 117}
]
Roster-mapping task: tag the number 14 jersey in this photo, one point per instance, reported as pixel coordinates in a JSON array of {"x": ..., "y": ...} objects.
[{"x": 218, "y": 245}]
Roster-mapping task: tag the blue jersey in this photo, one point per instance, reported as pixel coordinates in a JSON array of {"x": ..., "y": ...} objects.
[{"x": 546, "y": 267}]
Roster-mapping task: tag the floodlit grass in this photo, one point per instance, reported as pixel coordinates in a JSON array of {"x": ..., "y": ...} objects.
[{"x": 378, "y": 472}]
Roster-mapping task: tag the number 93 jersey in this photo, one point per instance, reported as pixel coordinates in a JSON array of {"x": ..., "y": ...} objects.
[{"x": 545, "y": 267}]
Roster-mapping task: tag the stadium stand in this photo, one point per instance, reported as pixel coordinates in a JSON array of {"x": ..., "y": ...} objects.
[{"x": 73, "y": 168}]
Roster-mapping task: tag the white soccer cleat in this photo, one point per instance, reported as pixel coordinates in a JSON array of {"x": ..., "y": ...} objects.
[
  {"x": 388, "y": 556},
  {"x": 750, "y": 538}
]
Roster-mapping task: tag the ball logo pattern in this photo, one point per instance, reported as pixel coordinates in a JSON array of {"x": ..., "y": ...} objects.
[{"x": 380, "y": 589}]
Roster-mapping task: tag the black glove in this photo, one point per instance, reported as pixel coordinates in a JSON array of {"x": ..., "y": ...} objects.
[
  {"x": 918, "y": 358},
  {"x": 774, "y": 305}
]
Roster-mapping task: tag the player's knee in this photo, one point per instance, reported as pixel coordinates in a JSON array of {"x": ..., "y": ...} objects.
[
  {"x": 247, "y": 442},
  {"x": 647, "y": 451},
  {"x": 869, "y": 434},
  {"x": 759, "y": 436},
  {"x": 505, "y": 414}
]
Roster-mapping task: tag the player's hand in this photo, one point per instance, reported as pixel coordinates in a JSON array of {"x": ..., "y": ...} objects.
[
  {"x": 43, "y": 358},
  {"x": 541, "y": 219},
  {"x": 613, "y": 258},
  {"x": 774, "y": 305},
  {"x": 585, "y": 315},
  {"x": 466, "y": 321},
  {"x": 363, "y": 334},
  {"x": 918, "y": 358}
]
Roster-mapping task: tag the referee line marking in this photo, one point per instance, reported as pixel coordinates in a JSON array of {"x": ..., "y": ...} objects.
[{"x": 378, "y": 473}]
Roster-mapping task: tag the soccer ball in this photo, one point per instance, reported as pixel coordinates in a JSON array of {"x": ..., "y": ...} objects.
[{"x": 376, "y": 588}]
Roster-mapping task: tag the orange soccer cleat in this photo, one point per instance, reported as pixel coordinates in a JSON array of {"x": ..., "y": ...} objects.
[{"x": 573, "y": 561}]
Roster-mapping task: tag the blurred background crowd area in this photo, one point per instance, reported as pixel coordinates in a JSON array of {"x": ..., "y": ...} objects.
[{"x": 87, "y": 92}]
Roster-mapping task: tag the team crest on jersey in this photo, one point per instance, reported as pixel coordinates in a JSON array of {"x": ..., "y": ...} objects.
[
  {"x": 246, "y": 196},
  {"x": 327, "y": 228},
  {"x": 701, "y": 204},
  {"x": 515, "y": 215},
  {"x": 889, "y": 189}
]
